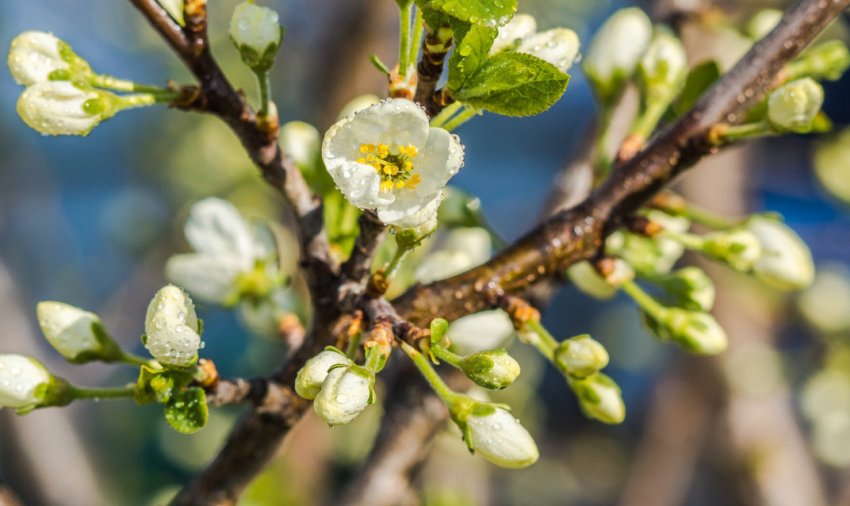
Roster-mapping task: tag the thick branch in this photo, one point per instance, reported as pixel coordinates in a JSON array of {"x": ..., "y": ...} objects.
[
  {"x": 576, "y": 234},
  {"x": 359, "y": 264}
]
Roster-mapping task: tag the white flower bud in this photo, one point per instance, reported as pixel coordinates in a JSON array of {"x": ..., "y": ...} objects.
[
  {"x": 615, "y": 50},
  {"x": 171, "y": 328},
  {"x": 357, "y": 104},
  {"x": 61, "y": 108},
  {"x": 786, "y": 262},
  {"x": 519, "y": 27},
  {"x": 558, "y": 46},
  {"x": 664, "y": 65},
  {"x": 256, "y": 33},
  {"x": 310, "y": 378},
  {"x": 695, "y": 331},
  {"x": 499, "y": 437},
  {"x": 480, "y": 331},
  {"x": 580, "y": 356},
  {"x": 826, "y": 304},
  {"x": 690, "y": 288},
  {"x": 20, "y": 379},
  {"x": 493, "y": 369},
  {"x": 763, "y": 22},
  {"x": 587, "y": 279},
  {"x": 346, "y": 392},
  {"x": 34, "y": 56},
  {"x": 600, "y": 398},
  {"x": 738, "y": 248},
  {"x": 301, "y": 141},
  {"x": 794, "y": 105},
  {"x": 69, "y": 330}
]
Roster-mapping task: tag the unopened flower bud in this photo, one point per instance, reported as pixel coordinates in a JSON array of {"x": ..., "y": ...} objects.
[
  {"x": 580, "y": 356},
  {"x": 600, "y": 398},
  {"x": 498, "y": 436},
  {"x": 23, "y": 382},
  {"x": 256, "y": 33},
  {"x": 738, "y": 248},
  {"x": 558, "y": 46},
  {"x": 689, "y": 288},
  {"x": 480, "y": 331},
  {"x": 357, "y": 104},
  {"x": 663, "y": 67},
  {"x": 310, "y": 378},
  {"x": 493, "y": 369},
  {"x": 301, "y": 141},
  {"x": 518, "y": 28},
  {"x": 763, "y": 22},
  {"x": 346, "y": 392},
  {"x": 793, "y": 106},
  {"x": 827, "y": 60},
  {"x": 72, "y": 332},
  {"x": 695, "y": 331},
  {"x": 37, "y": 57},
  {"x": 171, "y": 328},
  {"x": 785, "y": 262},
  {"x": 615, "y": 51},
  {"x": 62, "y": 108}
]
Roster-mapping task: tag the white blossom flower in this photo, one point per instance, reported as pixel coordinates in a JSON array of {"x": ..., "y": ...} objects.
[
  {"x": 172, "y": 329},
  {"x": 499, "y": 437},
  {"x": 62, "y": 108},
  {"x": 310, "y": 378},
  {"x": 346, "y": 392},
  {"x": 558, "y": 46},
  {"x": 785, "y": 262},
  {"x": 256, "y": 33},
  {"x": 20, "y": 378},
  {"x": 386, "y": 157},
  {"x": 33, "y": 56},
  {"x": 616, "y": 49},
  {"x": 69, "y": 330},
  {"x": 230, "y": 258}
]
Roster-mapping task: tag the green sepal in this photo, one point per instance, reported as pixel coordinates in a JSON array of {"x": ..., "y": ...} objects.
[
  {"x": 56, "y": 392},
  {"x": 490, "y": 13},
  {"x": 160, "y": 385},
  {"x": 514, "y": 84},
  {"x": 187, "y": 412},
  {"x": 472, "y": 43},
  {"x": 699, "y": 80},
  {"x": 438, "y": 327}
]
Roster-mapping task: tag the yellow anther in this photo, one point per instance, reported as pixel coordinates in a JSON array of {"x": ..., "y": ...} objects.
[
  {"x": 386, "y": 186},
  {"x": 383, "y": 150},
  {"x": 412, "y": 150},
  {"x": 390, "y": 170},
  {"x": 367, "y": 148},
  {"x": 414, "y": 180},
  {"x": 399, "y": 184},
  {"x": 361, "y": 160},
  {"x": 408, "y": 166}
]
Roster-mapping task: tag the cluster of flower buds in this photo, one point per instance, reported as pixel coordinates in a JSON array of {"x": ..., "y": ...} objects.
[{"x": 339, "y": 388}]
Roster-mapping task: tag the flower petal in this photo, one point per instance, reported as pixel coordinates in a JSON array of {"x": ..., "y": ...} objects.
[
  {"x": 409, "y": 210},
  {"x": 210, "y": 279},
  {"x": 439, "y": 160},
  {"x": 216, "y": 229},
  {"x": 360, "y": 184}
]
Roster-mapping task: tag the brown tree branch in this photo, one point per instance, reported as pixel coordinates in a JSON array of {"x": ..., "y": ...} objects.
[
  {"x": 359, "y": 264},
  {"x": 576, "y": 234}
]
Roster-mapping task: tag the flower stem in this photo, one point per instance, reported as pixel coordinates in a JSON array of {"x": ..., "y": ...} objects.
[
  {"x": 643, "y": 299},
  {"x": 733, "y": 133},
  {"x": 467, "y": 114},
  {"x": 690, "y": 241},
  {"x": 541, "y": 339},
  {"x": 705, "y": 217},
  {"x": 418, "y": 27},
  {"x": 428, "y": 372},
  {"x": 447, "y": 355},
  {"x": 444, "y": 115},
  {"x": 130, "y": 358},
  {"x": 404, "y": 38},
  {"x": 101, "y": 393},
  {"x": 400, "y": 254},
  {"x": 113, "y": 83},
  {"x": 265, "y": 93},
  {"x": 145, "y": 99},
  {"x": 602, "y": 161},
  {"x": 645, "y": 123}
]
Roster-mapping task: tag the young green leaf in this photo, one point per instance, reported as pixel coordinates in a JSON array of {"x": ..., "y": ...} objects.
[
  {"x": 471, "y": 47},
  {"x": 699, "y": 79},
  {"x": 187, "y": 412},
  {"x": 490, "y": 13},
  {"x": 514, "y": 84}
]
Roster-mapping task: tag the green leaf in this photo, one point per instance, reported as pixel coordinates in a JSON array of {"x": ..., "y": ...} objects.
[
  {"x": 490, "y": 13},
  {"x": 472, "y": 43},
  {"x": 699, "y": 79},
  {"x": 187, "y": 411},
  {"x": 514, "y": 84}
]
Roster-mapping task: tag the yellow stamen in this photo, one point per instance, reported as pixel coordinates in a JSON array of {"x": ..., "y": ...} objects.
[
  {"x": 414, "y": 180},
  {"x": 399, "y": 184},
  {"x": 408, "y": 166},
  {"x": 383, "y": 150},
  {"x": 386, "y": 186},
  {"x": 390, "y": 170}
]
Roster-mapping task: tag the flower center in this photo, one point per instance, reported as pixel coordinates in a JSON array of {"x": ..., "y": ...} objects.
[{"x": 395, "y": 168}]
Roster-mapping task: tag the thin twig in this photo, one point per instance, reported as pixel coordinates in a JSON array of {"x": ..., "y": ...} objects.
[{"x": 359, "y": 264}]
